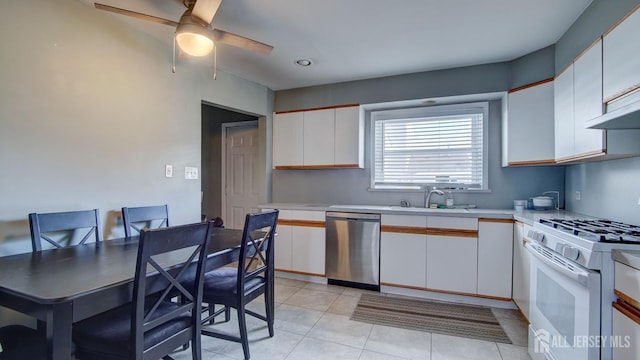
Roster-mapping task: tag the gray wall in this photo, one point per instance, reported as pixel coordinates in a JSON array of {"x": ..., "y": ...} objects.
[
  {"x": 90, "y": 113},
  {"x": 608, "y": 189},
  {"x": 351, "y": 186}
]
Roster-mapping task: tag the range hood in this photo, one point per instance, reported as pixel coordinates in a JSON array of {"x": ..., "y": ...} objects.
[{"x": 622, "y": 114}]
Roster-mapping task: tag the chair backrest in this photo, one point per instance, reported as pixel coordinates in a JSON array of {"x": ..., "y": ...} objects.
[
  {"x": 171, "y": 262},
  {"x": 138, "y": 218},
  {"x": 65, "y": 228},
  {"x": 256, "y": 251}
]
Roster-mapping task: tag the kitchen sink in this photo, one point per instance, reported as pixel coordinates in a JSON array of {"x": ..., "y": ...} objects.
[{"x": 426, "y": 210}]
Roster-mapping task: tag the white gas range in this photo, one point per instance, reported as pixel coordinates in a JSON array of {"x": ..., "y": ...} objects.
[{"x": 572, "y": 279}]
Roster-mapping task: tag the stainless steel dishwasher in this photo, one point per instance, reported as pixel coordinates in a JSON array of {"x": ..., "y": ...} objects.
[{"x": 353, "y": 249}]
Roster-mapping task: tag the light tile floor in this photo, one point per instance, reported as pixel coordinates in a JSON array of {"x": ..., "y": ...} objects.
[{"x": 312, "y": 322}]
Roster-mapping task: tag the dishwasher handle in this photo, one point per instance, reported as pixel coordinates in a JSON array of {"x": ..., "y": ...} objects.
[{"x": 352, "y": 216}]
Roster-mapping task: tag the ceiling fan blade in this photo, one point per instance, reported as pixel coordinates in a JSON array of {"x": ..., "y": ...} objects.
[
  {"x": 241, "y": 41},
  {"x": 206, "y": 9},
  {"x": 135, "y": 14}
]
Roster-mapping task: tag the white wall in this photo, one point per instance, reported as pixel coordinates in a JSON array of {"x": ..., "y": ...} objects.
[{"x": 90, "y": 112}]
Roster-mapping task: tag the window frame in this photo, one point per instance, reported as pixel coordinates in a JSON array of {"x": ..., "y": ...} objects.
[{"x": 430, "y": 111}]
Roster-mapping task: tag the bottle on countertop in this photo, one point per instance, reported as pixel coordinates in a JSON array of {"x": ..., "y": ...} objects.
[{"x": 449, "y": 198}]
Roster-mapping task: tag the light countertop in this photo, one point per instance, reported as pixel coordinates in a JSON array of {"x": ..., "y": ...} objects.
[
  {"x": 526, "y": 216},
  {"x": 627, "y": 257}
]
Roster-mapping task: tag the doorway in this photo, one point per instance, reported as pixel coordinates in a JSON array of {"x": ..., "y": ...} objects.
[
  {"x": 240, "y": 189},
  {"x": 215, "y": 122}
]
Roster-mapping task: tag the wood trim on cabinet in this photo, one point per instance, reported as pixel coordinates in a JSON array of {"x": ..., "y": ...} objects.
[
  {"x": 521, "y": 312},
  {"x": 445, "y": 291},
  {"x": 627, "y": 311},
  {"x": 621, "y": 20},
  {"x": 523, "y": 87},
  {"x": 621, "y": 94},
  {"x": 428, "y": 231},
  {"x": 404, "y": 229},
  {"x": 452, "y": 232},
  {"x": 300, "y": 272},
  {"x": 635, "y": 303},
  {"x": 304, "y": 223},
  {"x": 318, "y": 108},
  {"x": 588, "y": 48},
  {"x": 496, "y": 220},
  {"x": 532, "y": 162},
  {"x": 563, "y": 70},
  {"x": 584, "y": 156},
  {"x": 402, "y": 286},
  {"x": 313, "y": 167}
]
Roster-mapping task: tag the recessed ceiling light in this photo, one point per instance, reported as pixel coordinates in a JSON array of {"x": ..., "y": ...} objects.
[{"x": 303, "y": 62}]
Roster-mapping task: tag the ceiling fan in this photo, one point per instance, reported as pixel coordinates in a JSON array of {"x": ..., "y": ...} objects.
[{"x": 194, "y": 33}]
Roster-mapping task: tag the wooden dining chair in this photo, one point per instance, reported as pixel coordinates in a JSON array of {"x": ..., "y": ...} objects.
[
  {"x": 19, "y": 342},
  {"x": 64, "y": 229},
  {"x": 152, "y": 326},
  {"x": 235, "y": 287},
  {"x": 138, "y": 218}
]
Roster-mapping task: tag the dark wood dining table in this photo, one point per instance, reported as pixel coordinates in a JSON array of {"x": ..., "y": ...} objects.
[{"x": 62, "y": 286}]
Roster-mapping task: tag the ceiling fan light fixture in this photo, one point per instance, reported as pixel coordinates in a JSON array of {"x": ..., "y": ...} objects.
[{"x": 193, "y": 38}]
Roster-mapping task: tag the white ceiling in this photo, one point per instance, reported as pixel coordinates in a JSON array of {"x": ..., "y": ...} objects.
[{"x": 359, "y": 39}]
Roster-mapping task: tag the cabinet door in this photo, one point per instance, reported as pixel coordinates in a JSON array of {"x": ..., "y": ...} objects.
[
  {"x": 563, "y": 113},
  {"x": 530, "y": 125},
  {"x": 287, "y": 139},
  {"x": 495, "y": 241},
  {"x": 308, "y": 250},
  {"x": 318, "y": 137},
  {"x": 403, "y": 259},
  {"x": 282, "y": 248},
  {"x": 349, "y": 137},
  {"x": 587, "y": 92},
  {"x": 621, "y": 63},
  {"x": 521, "y": 264},
  {"x": 452, "y": 263},
  {"x": 627, "y": 330}
]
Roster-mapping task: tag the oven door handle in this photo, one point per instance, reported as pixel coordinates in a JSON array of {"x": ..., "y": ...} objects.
[{"x": 576, "y": 274}]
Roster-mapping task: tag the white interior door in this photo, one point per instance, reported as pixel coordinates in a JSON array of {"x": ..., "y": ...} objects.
[{"x": 241, "y": 174}]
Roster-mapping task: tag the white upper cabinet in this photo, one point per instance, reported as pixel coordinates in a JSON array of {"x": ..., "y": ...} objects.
[
  {"x": 318, "y": 138},
  {"x": 563, "y": 112},
  {"x": 315, "y": 139},
  {"x": 621, "y": 63},
  {"x": 287, "y": 139},
  {"x": 587, "y": 92},
  {"x": 528, "y": 126},
  {"x": 349, "y": 137}
]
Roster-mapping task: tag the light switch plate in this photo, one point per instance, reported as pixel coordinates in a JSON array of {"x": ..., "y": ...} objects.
[
  {"x": 577, "y": 195},
  {"x": 168, "y": 171},
  {"x": 190, "y": 173}
]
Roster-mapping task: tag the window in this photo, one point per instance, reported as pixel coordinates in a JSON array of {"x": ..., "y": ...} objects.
[{"x": 440, "y": 146}]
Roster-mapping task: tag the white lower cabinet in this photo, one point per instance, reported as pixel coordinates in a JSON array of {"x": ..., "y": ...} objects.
[
  {"x": 403, "y": 258},
  {"x": 626, "y": 331},
  {"x": 495, "y": 257},
  {"x": 282, "y": 248},
  {"x": 308, "y": 250},
  {"x": 452, "y": 263},
  {"x": 521, "y": 262},
  {"x": 300, "y": 242}
]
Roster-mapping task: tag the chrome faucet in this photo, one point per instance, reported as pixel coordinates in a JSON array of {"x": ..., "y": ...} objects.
[{"x": 427, "y": 195}]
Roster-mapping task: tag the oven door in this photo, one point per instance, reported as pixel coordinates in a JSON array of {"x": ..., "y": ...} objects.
[{"x": 565, "y": 307}]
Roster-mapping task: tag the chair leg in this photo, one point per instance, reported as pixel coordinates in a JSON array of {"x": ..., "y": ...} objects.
[
  {"x": 227, "y": 314},
  {"x": 242, "y": 323},
  {"x": 269, "y": 304},
  {"x": 212, "y": 309}
]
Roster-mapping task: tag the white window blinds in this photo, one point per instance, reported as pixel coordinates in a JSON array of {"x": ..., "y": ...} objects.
[{"x": 429, "y": 146}]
